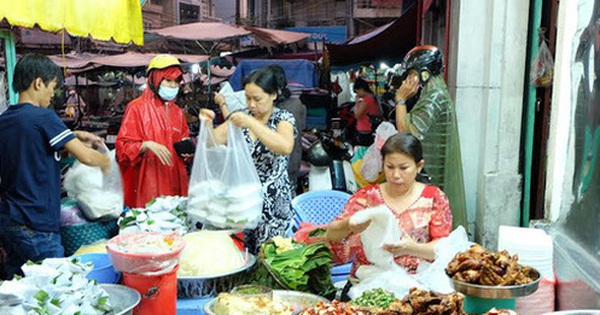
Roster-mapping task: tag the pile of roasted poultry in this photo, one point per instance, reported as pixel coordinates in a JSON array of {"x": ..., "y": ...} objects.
[
  {"x": 478, "y": 266},
  {"x": 417, "y": 302},
  {"x": 427, "y": 303}
]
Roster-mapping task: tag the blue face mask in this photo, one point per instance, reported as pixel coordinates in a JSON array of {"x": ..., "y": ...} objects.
[{"x": 167, "y": 93}]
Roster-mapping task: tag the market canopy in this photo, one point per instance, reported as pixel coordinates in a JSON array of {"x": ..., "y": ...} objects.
[
  {"x": 202, "y": 31},
  {"x": 276, "y": 37},
  {"x": 126, "y": 60},
  {"x": 117, "y": 20},
  {"x": 386, "y": 43}
]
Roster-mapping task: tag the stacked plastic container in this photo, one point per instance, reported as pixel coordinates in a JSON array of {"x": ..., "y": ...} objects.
[{"x": 535, "y": 249}]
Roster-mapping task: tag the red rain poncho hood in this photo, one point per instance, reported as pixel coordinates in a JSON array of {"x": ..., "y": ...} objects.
[{"x": 148, "y": 118}]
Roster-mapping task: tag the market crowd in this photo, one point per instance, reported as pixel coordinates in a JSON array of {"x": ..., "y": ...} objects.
[{"x": 153, "y": 147}]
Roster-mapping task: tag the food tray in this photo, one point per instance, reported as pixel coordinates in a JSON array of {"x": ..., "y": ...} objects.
[
  {"x": 298, "y": 300},
  {"x": 210, "y": 286},
  {"x": 498, "y": 292},
  {"x": 122, "y": 298}
]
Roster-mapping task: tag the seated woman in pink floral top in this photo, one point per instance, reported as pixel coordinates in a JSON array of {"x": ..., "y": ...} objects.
[{"x": 422, "y": 211}]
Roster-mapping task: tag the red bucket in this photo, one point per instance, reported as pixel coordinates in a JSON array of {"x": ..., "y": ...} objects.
[{"x": 159, "y": 292}]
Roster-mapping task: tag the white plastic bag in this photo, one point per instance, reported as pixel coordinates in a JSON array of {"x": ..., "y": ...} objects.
[
  {"x": 384, "y": 229},
  {"x": 433, "y": 275},
  {"x": 225, "y": 191},
  {"x": 429, "y": 276},
  {"x": 99, "y": 196},
  {"x": 372, "y": 161}
]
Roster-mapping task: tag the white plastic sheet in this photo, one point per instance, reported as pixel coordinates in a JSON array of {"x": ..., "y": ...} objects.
[{"x": 429, "y": 276}]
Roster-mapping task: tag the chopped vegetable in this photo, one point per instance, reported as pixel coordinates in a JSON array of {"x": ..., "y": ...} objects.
[{"x": 375, "y": 297}]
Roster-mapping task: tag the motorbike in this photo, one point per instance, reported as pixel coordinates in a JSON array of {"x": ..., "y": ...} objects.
[{"x": 330, "y": 169}]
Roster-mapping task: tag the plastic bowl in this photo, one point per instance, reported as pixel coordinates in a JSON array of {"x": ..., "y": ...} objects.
[
  {"x": 143, "y": 262},
  {"x": 103, "y": 270}
]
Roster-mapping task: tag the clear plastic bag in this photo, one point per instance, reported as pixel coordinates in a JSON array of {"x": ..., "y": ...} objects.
[
  {"x": 542, "y": 68},
  {"x": 225, "y": 190},
  {"x": 99, "y": 196},
  {"x": 372, "y": 161}
]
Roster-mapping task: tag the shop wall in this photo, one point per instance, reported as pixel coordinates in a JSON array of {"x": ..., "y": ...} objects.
[
  {"x": 486, "y": 77},
  {"x": 573, "y": 177},
  {"x": 574, "y": 166}
]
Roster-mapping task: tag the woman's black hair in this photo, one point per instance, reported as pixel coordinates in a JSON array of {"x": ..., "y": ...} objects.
[
  {"x": 404, "y": 143},
  {"x": 363, "y": 85},
  {"x": 268, "y": 80},
  {"x": 279, "y": 73},
  {"x": 33, "y": 66}
]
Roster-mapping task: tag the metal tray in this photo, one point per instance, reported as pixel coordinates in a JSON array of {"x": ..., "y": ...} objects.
[
  {"x": 298, "y": 300},
  {"x": 122, "y": 298},
  {"x": 498, "y": 292},
  {"x": 210, "y": 286}
]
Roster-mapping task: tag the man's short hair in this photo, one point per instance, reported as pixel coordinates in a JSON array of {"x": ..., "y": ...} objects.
[{"x": 33, "y": 66}]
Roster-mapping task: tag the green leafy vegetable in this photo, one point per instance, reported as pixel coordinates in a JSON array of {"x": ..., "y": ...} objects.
[{"x": 306, "y": 268}]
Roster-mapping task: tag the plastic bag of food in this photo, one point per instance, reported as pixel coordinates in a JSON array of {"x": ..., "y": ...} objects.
[
  {"x": 542, "y": 69},
  {"x": 99, "y": 196},
  {"x": 225, "y": 191}
]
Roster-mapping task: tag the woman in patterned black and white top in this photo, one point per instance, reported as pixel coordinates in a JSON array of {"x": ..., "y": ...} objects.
[{"x": 269, "y": 132}]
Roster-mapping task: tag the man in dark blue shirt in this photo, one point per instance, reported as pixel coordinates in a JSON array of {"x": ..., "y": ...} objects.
[{"x": 31, "y": 138}]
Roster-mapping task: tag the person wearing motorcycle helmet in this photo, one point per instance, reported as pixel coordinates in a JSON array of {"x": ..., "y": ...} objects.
[
  {"x": 151, "y": 125},
  {"x": 433, "y": 121}
]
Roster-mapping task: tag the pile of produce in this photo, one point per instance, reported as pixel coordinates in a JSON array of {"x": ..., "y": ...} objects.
[
  {"x": 58, "y": 286},
  {"x": 375, "y": 298},
  {"x": 381, "y": 302},
  {"x": 479, "y": 266},
  {"x": 233, "y": 304},
  {"x": 214, "y": 203},
  {"x": 298, "y": 267},
  {"x": 209, "y": 253},
  {"x": 334, "y": 308},
  {"x": 162, "y": 214}
]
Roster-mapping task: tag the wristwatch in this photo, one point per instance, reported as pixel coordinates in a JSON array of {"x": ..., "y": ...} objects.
[{"x": 401, "y": 102}]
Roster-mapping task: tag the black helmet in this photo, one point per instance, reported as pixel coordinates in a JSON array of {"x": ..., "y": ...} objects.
[
  {"x": 317, "y": 155},
  {"x": 424, "y": 58}
]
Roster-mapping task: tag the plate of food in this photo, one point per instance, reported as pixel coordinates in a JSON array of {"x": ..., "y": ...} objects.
[
  {"x": 491, "y": 275},
  {"x": 283, "y": 303}
]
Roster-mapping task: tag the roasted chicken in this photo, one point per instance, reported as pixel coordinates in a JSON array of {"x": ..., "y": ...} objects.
[{"x": 478, "y": 266}]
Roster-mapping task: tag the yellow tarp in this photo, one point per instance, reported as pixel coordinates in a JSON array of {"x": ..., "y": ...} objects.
[{"x": 119, "y": 20}]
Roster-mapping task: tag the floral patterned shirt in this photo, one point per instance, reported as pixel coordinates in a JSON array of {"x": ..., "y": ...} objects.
[{"x": 429, "y": 218}]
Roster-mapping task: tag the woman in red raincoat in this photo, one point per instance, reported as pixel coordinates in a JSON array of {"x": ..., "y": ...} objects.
[{"x": 151, "y": 125}]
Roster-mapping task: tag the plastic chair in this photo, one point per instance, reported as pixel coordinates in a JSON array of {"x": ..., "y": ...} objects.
[{"x": 318, "y": 207}]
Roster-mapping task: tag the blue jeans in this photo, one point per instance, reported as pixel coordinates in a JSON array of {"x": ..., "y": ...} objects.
[{"x": 22, "y": 244}]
